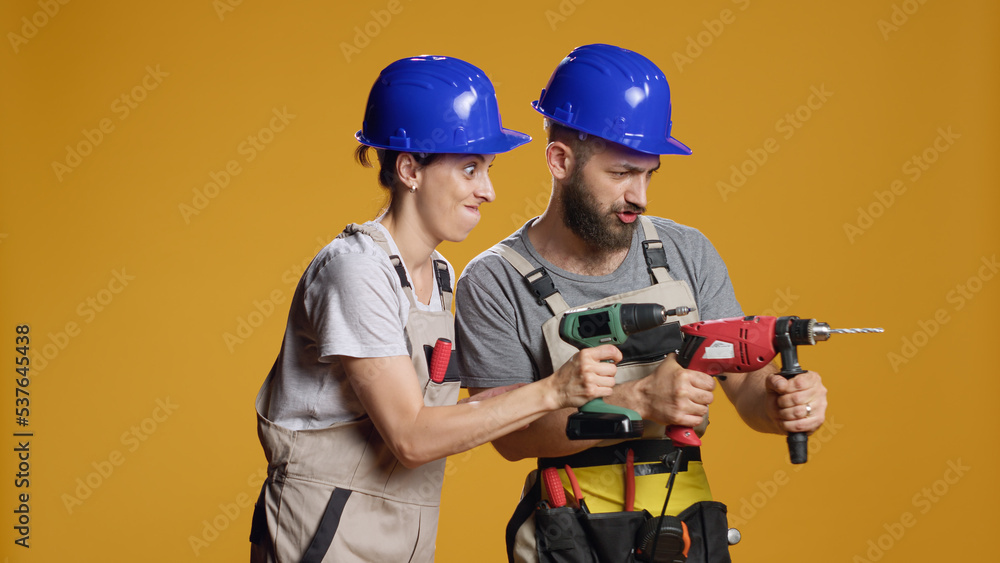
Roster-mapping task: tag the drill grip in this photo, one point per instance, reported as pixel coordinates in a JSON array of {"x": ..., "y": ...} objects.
[
  {"x": 798, "y": 447},
  {"x": 798, "y": 442},
  {"x": 786, "y": 344}
]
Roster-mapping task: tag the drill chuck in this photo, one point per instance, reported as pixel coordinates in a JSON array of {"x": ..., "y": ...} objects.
[
  {"x": 636, "y": 317},
  {"x": 809, "y": 331}
]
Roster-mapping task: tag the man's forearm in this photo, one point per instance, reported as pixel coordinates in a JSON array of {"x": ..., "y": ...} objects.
[{"x": 748, "y": 393}]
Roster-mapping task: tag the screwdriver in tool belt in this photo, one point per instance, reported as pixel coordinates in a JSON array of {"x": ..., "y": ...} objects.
[
  {"x": 557, "y": 497},
  {"x": 439, "y": 360}
]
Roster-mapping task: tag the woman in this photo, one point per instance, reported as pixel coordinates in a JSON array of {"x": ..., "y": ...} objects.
[{"x": 354, "y": 429}]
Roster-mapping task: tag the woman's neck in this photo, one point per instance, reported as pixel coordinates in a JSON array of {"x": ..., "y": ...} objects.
[{"x": 415, "y": 248}]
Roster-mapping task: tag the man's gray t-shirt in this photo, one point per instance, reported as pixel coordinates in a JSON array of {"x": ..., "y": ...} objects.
[{"x": 498, "y": 325}]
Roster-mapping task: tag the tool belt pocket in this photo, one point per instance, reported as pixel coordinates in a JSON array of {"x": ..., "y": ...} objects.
[
  {"x": 567, "y": 534},
  {"x": 612, "y": 534},
  {"x": 709, "y": 531},
  {"x": 560, "y": 536}
]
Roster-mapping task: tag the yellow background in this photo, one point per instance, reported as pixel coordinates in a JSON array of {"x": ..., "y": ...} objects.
[{"x": 204, "y": 76}]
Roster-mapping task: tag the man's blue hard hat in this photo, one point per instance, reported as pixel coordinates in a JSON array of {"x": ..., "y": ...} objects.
[
  {"x": 434, "y": 104},
  {"x": 615, "y": 94}
]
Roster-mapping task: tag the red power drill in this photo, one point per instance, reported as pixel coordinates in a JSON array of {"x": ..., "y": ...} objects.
[{"x": 744, "y": 344}]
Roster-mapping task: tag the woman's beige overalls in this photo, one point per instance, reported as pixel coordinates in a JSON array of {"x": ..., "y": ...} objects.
[
  {"x": 338, "y": 493},
  {"x": 603, "y": 485}
]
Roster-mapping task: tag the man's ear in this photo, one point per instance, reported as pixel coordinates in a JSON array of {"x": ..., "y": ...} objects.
[
  {"x": 407, "y": 170},
  {"x": 560, "y": 159}
]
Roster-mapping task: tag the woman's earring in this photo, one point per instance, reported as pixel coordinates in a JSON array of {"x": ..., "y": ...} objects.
[{"x": 413, "y": 189}]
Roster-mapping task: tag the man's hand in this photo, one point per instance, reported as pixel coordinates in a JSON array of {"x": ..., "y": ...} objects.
[
  {"x": 797, "y": 404},
  {"x": 672, "y": 395}
]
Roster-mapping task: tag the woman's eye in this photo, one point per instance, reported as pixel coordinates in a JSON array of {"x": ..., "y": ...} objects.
[{"x": 470, "y": 168}]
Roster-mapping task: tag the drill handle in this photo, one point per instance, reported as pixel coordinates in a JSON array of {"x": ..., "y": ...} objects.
[
  {"x": 790, "y": 366},
  {"x": 798, "y": 442}
]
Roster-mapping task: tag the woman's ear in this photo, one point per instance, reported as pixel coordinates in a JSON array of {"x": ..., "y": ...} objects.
[{"x": 407, "y": 170}]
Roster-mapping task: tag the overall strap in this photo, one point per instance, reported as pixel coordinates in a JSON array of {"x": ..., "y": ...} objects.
[
  {"x": 652, "y": 251},
  {"x": 538, "y": 279},
  {"x": 444, "y": 280},
  {"x": 328, "y": 525},
  {"x": 444, "y": 283}
]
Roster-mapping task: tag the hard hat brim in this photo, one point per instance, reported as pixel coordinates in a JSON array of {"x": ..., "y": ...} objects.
[
  {"x": 666, "y": 145},
  {"x": 507, "y": 141}
]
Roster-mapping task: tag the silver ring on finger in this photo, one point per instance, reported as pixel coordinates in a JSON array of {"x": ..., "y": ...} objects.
[{"x": 809, "y": 410}]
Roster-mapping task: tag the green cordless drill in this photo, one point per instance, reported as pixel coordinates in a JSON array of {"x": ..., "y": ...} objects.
[{"x": 612, "y": 324}]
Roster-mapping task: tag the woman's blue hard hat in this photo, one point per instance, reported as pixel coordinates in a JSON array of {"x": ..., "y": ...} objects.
[{"x": 433, "y": 104}]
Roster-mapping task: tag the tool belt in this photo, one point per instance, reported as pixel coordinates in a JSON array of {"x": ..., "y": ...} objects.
[
  {"x": 644, "y": 451},
  {"x": 571, "y": 533}
]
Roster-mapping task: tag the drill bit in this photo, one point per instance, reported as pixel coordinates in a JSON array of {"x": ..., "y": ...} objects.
[
  {"x": 678, "y": 312},
  {"x": 822, "y": 331}
]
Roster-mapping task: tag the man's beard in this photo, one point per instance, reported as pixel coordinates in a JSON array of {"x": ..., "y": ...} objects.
[{"x": 602, "y": 230}]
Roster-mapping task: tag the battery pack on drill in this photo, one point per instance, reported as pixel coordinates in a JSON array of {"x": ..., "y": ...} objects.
[{"x": 589, "y": 423}]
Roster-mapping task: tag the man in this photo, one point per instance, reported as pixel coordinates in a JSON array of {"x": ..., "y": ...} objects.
[{"x": 607, "y": 111}]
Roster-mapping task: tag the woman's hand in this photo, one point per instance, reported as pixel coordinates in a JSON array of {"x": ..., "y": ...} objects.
[{"x": 586, "y": 376}]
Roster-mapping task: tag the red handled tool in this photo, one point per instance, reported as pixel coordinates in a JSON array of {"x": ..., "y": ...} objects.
[
  {"x": 557, "y": 497},
  {"x": 439, "y": 359},
  {"x": 630, "y": 481},
  {"x": 576, "y": 488}
]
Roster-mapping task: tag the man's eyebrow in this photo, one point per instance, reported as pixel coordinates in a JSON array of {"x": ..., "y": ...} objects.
[{"x": 629, "y": 167}]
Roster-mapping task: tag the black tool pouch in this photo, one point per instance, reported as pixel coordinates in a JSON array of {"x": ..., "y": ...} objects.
[
  {"x": 568, "y": 534},
  {"x": 612, "y": 534},
  {"x": 709, "y": 531},
  {"x": 561, "y": 538}
]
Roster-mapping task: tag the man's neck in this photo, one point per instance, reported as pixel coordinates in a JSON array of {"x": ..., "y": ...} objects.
[{"x": 565, "y": 249}]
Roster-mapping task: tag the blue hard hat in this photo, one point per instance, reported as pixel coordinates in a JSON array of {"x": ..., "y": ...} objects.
[
  {"x": 435, "y": 105},
  {"x": 615, "y": 94}
]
